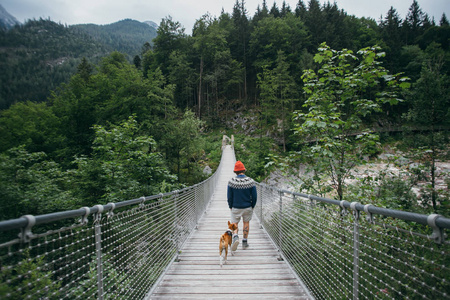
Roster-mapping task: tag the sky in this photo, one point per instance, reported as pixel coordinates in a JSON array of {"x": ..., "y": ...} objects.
[{"x": 188, "y": 11}]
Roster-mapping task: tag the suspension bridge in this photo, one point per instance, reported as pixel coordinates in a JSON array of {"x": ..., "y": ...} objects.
[{"x": 166, "y": 247}]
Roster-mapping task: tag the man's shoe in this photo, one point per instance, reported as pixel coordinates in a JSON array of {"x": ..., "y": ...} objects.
[
  {"x": 245, "y": 245},
  {"x": 235, "y": 242}
]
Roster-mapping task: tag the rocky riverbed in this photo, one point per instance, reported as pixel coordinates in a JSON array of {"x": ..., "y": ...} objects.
[{"x": 390, "y": 165}]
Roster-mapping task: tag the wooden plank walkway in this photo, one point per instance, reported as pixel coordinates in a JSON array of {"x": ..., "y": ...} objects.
[{"x": 254, "y": 273}]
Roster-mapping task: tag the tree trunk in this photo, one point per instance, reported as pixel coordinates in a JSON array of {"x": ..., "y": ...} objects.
[{"x": 200, "y": 89}]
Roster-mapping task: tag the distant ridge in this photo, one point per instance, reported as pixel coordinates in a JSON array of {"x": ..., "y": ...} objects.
[
  {"x": 152, "y": 24},
  {"x": 126, "y": 36},
  {"x": 7, "y": 21}
]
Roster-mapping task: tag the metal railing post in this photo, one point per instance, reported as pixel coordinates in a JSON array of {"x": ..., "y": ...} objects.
[
  {"x": 98, "y": 248},
  {"x": 261, "y": 212},
  {"x": 177, "y": 234},
  {"x": 356, "y": 215},
  {"x": 196, "y": 207},
  {"x": 280, "y": 224}
]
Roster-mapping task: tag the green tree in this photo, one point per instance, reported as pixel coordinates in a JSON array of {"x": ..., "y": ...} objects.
[
  {"x": 431, "y": 110},
  {"x": 31, "y": 124},
  {"x": 84, "y": 69},
  {"x": 170, "y": 38},
  {"x": 342, "y": 93},
  {"x": 413, "y": 24},
  {"x": 117, "y": 284},
  {"x": 137, "y": 61},
  {"x": 32, "y": 184},
  {"x": 218, "y": 71},
  {"x": 278, "y": 92},
  {"x": 149, "y": 63},
  {"x": 315, "y": 22},
  {"x": 182, "y": 74},
  {"x": 185, "y": 142},
  {"x": 117, "y": 91},
  {"x": 125, "y": 163},
  {"x": 239, "y": 40},
  {"x": 201, "y": 47},
  {"x": 444, "y": 20},
  {"x": 391, "y": 32},
  {"x": 260, "y": 13},
  {"x": 273, "y": 34},
  {"x": 30, "y": 278}
]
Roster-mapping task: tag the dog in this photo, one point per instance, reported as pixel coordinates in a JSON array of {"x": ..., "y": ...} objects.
[{"x": 225, "y": 242}]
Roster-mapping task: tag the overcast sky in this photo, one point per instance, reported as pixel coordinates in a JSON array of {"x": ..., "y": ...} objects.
[{"x": 187, "y": 11}]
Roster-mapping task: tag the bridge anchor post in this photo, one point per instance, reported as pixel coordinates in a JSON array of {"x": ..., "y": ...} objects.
[
  {"x": 356, "y": 215},
  {"x": 98, "y": 248}
]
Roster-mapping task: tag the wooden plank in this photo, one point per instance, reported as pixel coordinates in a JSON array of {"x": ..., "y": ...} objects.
[
  {"x": 227, "y": 297},
  {"x": 250, "y": 259},
  {"x": 276, "y": 290},
  {"x": 191, "y": 266},
  {"x": 215, "y": 262},
  {"x": 223, "y": 283},
  {"x": 220, "y": 271},
  {"x": 231, "y": 278},
  {"x": 254, "y": 273}
]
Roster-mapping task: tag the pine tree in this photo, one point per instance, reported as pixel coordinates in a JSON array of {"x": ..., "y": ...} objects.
[
  {"x": 391, "y": 34},
  {"x": 274, "y": 11},
  {"x": 444, "y": 20},
  {"x": 430, "y": 108},
  {"x": 137, "y": 61},
  {"x": 413, "y": 23},
  {"x": 315, "y": 22},
  {"x": 300, "y": 10},
  {"x": 84, "y": 69},
  {"x": 240, "y": 39}
]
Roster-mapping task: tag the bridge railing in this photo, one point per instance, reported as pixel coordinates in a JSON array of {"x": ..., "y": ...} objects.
[
  {"x": 118, "y": 250},
  {"x": 343, "y": 250}
]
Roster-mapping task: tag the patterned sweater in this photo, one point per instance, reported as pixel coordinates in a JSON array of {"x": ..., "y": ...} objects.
[{"x": 241, "y": 192}]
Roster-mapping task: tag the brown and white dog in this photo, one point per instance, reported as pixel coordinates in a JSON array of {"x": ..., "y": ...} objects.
[{"x": 225, "y": 242}]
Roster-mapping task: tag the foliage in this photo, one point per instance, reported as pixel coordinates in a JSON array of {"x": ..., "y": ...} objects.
[
  {"x": 277, "y": 97},
  {"x": 342, "y": 93},
  {"x": 35, "y": 280},
  {"x": 114, "y": 282},
  {"x": 31, "y": 124},
  {"x": 117, "y": 91},
  {"x": 430, "y": 111},
  {"x": 115, "y": 123},
  {"x": 37, "y": 57},
  {"x": 32, "y": 184},
  {"x": 253, "y": 151},
  {"x": 124, "y": 162},
  {"x": 213, "y": 73},
  {"x": 183, "y": 146}
]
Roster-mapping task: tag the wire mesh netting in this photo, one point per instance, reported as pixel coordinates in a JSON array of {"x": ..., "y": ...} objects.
[
  {"x": 116, "y": 251},
  {"x": 119, "y": 251},
  {"x": 340, "y": 253}
]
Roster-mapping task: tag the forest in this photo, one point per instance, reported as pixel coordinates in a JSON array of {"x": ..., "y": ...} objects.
[
  {"x": 40, "y": 55},
  {"x": 306, "y": 86}
]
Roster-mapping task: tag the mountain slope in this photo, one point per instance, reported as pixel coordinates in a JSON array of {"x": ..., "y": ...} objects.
[
  {"x": 35, "y": 58},
  {"x": 7, "y": 21},
  {"x": 126, "y": 36},
  {"x": 152, "y": 24}
]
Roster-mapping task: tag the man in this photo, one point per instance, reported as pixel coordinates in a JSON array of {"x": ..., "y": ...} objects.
[{"x": 241, "y": 197}]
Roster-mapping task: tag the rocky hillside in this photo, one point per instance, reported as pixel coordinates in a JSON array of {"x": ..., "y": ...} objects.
[{"x": 7, "y": 21}]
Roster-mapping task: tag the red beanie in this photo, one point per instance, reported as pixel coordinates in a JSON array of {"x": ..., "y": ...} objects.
[{"x": 239, "y": 166}]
